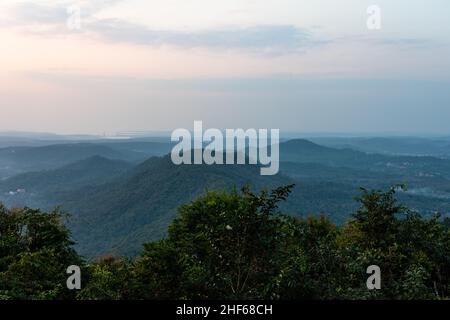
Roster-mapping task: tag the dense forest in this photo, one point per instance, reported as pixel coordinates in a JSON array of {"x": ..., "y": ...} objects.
[
  {"x": 125, "y": 193},
  {"x": 238, "y": 245}
]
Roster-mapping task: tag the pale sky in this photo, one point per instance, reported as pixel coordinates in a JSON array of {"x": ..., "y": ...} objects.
[{"x": 306, "y": 66}]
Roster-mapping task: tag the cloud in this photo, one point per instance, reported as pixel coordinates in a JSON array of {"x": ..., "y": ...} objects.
[
  {"x": 268, "y": 38},
  {"x": 31, "y": 13},
  {"x": 50, "y": 18},
  {"x": 51, "y": 12}
]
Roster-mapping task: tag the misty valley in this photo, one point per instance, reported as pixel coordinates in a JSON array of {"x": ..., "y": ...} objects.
[{"x": 123, "y": 193}]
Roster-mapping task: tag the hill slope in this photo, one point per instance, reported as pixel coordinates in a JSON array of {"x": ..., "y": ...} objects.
[
  {"x": 121, "y": 215},
  {"x": 93, "y": 170},
  {"x": 439, "y": 147},
  {"x": 15, "y": 160},
  {"x": 115, "y": 211}
]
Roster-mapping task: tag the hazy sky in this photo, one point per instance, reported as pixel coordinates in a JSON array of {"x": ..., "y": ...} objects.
[{"x": 308, "y": 66}]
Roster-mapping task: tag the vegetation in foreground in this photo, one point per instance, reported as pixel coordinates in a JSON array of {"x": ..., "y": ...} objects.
[{"x": 238, "y": 246}]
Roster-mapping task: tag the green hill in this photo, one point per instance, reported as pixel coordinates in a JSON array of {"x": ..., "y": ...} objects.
[
  {"x": 116, "y": 207},
  {"x": 122, "y": 214},
  {"x": 15, "y": 160},
  {"x": 93, "y": 170}
]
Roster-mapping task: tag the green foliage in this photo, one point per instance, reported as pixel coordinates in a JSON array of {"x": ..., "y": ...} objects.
[
  {"x": 376, "y": 218},
  {"x": 413, "y": 253},
  {"x": 157, "y": 271},
  {"x": 108, "y": 279},
  {"x": 224, "y": 246},
  {"x": 35, "y": 250},
  {"x": 117, "y": 206},
  {"x": 237, "y": 245}
]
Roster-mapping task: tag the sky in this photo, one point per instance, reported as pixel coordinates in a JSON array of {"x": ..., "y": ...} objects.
[{"x": 108, "y": 66}]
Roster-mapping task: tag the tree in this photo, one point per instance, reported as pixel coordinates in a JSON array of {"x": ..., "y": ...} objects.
[
  {"x": 223, "y": 245},
  {"x": 35, "y": 251},
  {"x": 238, "y": 246},
  {"x": 413, "y": 253},
  {"x": 109, "y": 278}
]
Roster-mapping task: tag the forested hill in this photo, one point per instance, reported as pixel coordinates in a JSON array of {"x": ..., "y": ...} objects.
[
  {"x": 120, "y": 215},
  {"x": 117, "y": 205},
  {"x": 93, "y": 170},
  {"x": 15, "y": 160}
]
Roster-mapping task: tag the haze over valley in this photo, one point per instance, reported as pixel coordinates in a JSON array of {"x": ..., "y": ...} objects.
[{"x": 122, "y": 193}]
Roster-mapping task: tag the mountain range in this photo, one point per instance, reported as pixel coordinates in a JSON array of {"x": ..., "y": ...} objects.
[{"x": 118, "y": 201}]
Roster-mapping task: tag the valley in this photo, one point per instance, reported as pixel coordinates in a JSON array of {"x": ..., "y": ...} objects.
[{"x": 121, "y": 194}]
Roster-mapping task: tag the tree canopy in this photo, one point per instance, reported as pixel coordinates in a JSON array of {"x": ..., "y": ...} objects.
[{"x": 237, "y": 245}]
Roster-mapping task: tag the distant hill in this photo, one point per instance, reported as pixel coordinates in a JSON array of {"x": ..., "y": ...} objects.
[
  {"x": 36, "y": 187},
  {"x": 122, "y": 214},
  {"x": 116, "y": 206},
  {"x": 91, "y": 170},
  {"x": 147, "y": 148},
  {"x": 438, "y": 147},
  {"x": 305, "y": 151},
  {"x": 15, "y": 160},
  {"x": 117, "y": 217}
]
